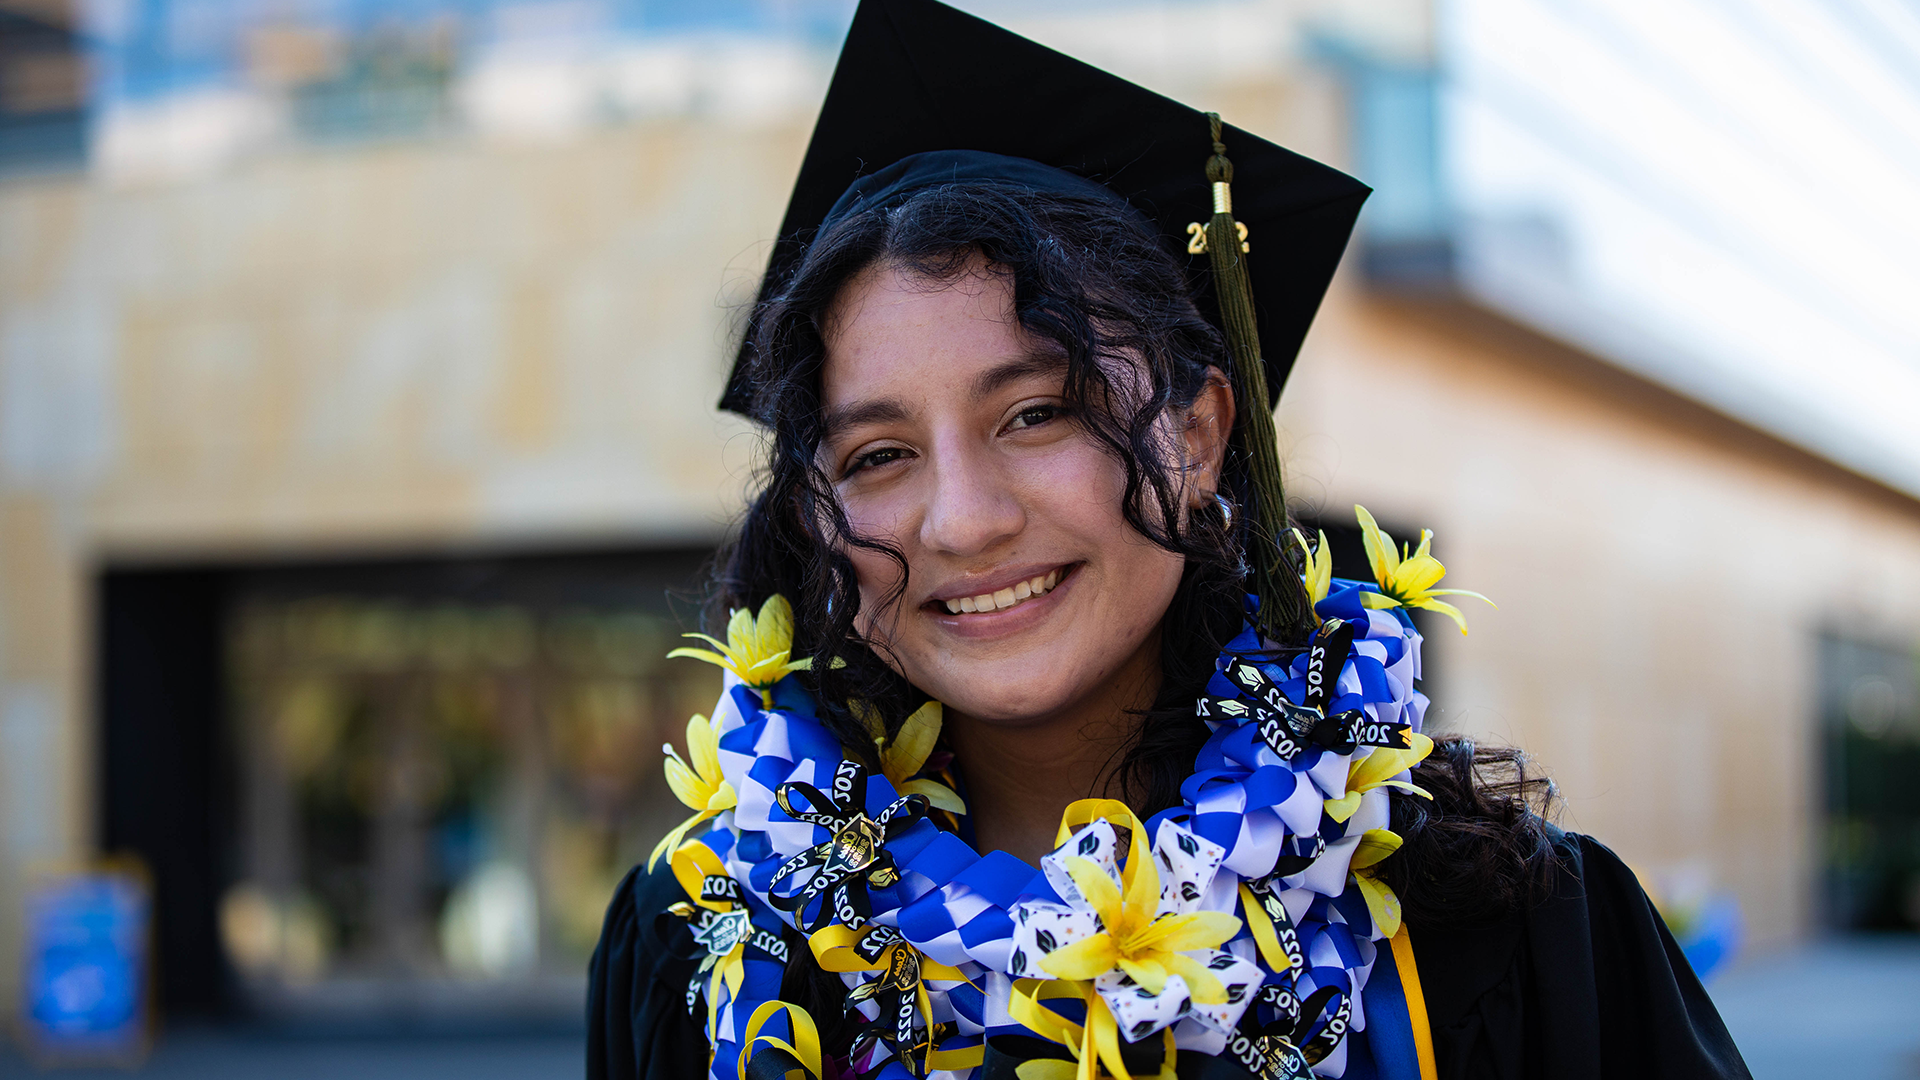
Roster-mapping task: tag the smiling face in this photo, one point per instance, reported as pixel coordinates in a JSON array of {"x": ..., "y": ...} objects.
[{"x": 1028, "y": 594}]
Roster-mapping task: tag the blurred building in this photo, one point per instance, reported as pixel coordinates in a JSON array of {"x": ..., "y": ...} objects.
[{"x": 357, "y": 369}]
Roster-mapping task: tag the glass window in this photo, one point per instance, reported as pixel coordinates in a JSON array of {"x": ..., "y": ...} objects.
[{"x": 441, "y": 793}]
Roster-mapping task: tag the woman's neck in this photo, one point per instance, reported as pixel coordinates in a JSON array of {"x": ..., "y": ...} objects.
[{"x": 1021, "y": 776}]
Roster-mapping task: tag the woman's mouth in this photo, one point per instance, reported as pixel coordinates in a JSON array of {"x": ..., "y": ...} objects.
[{"x": 1012, "y": 596}]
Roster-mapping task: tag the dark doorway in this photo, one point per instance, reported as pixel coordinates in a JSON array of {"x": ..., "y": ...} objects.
[
  {"x": 358, "y": 782},
  {"x": 165, "y": 776}
]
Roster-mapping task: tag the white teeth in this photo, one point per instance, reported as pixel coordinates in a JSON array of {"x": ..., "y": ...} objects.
[{"x": 1005, "y": 598}]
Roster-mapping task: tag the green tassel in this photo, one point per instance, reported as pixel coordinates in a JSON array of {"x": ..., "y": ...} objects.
[{"x": 1276, "y": 581}]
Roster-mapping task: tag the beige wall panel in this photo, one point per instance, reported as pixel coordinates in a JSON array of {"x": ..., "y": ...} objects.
[
  {"x": 411, "y": 344},
  {"x": 45, "y": 800},
  {"x": 1661, "y": 574}
]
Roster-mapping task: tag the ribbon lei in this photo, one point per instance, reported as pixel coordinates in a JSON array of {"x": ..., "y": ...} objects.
[
  {"x": 1273, "y": 932},
  {"x": 1093, "y": 1044},
  {"x": 903, "y": 971},
  {"x": 852, "y": 857},
  {"x": 781, "y": 1059},
  {"x": 706, "y": 881},
  {"x": 1097, "y": 1041}
]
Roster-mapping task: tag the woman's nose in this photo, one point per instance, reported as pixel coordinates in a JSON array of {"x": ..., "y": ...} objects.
[{"x": 972, "y": 507}]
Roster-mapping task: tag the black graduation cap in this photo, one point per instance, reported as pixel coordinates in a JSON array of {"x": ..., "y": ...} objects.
[{"x": 917, "y": 76}]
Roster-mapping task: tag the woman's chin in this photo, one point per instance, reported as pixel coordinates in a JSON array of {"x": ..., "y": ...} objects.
[{"x": 1018, "y": 691}]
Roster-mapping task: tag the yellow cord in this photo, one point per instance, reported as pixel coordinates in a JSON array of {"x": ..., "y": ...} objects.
[{"x": 1416, "y": 1003}]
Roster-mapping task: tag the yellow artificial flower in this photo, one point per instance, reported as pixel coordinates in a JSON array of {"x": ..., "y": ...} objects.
[
  {"x": 1318, "y": 576},
  {"x": 1377, "y": 770},
  {"x": 699, "y": 785},
  {"x": 1375, "y": 845},
  {"x": 756, "y": 649},
  {"x": 1407, "y": 579},
  {"x": 1135, "y": 940},
  {"x": 903, "y": 756}
]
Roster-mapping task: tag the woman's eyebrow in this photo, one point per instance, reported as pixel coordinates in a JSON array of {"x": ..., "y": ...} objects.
[
  {"x": 1012, "y": 371},
  {"x": 871, "y": 411},
  {"x": 892, "y": 410}
]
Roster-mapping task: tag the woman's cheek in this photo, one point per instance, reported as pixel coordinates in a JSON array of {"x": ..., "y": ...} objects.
[
  {"x": 878, "y": 574},
  {"x": 1080, "y": 486}
]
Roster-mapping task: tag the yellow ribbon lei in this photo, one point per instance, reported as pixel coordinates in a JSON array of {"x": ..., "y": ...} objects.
[
  {"x": 835, "y": 947},
  {"x": 1093, "y": 1044},
  {"x": 805, "y": 1047},
  {"x": 1098, "y": 1040},
  {"x": 1132, "y": 938},
  {"x": 692, "y": 864},
  {"x": 1266, "y": 939}
]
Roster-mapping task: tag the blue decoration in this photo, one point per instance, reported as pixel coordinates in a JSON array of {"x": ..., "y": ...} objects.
[{"x": 86, "y": 959}]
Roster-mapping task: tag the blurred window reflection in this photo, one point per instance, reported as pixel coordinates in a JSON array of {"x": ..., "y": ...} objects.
[
  {"x": 442, "y": 794},
  {"x": 1871, "y": 721},
  {"x": 181, "y": 89},
  {"x": 42, "y": 87}
]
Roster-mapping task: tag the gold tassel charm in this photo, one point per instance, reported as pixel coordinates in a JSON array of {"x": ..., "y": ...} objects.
[{"x": 1283, "y": 610}]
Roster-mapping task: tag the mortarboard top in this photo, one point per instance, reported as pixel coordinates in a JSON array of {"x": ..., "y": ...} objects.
[{"x": 917, "y": 76}]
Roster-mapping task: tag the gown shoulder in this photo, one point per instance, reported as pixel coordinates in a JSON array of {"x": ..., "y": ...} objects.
[
  {"x": 638, "y": 1024},
  {"x": 1587, "y": 985}
]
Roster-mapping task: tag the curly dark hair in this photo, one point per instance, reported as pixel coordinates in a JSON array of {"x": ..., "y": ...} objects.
[
  {"x": 1481, "y": 848},
  {"x": 1090, "y": 280}
]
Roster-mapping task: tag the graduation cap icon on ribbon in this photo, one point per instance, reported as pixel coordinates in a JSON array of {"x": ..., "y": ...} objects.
[
  {"x": 1289, "y": 728},
  {"x": 853, "y": 856}
]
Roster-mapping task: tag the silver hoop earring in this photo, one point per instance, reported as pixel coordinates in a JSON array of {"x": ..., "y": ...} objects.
[{"x": 1226, "y": 508}]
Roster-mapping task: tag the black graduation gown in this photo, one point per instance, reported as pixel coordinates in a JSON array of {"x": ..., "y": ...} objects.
[{"x": 1587, "y": 986}]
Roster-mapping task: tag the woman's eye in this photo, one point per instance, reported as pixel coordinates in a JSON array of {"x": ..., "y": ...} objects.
[
  {"x": 886, "y": 455},
  {"x": 1035, "y": 415}
]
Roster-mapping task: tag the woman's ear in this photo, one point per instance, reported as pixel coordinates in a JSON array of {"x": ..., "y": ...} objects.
[{"x": 1208, "y": 426}]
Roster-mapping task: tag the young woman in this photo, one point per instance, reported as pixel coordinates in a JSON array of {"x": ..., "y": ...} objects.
[{"x": 1039, "y": 757}]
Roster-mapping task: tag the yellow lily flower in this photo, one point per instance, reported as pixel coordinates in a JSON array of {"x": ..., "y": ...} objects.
[
  {"x": 1135, "y": 940},
  {"x": 699, "y": 785},
  {"x": 1318, "y": 576},
  {"x": 1375, "y": 845},
  {"x": 1407, "y": 579},
  {"x": 903, "y": 756},
  {"x": 756, "y": 649},
  {"x": 1136, "y": 947},
  {"x": 1377, "y": 770}
]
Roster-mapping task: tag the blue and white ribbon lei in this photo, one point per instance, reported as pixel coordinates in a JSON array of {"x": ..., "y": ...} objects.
[{"x": 1249, "y": 807}]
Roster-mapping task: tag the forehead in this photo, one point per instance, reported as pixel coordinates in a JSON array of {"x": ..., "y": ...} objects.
[{"x": 898, "y": 334}]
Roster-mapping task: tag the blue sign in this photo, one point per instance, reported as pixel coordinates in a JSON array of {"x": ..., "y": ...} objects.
[{"x": 86, "y": 966}]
